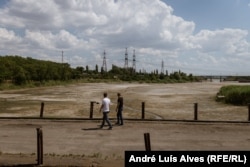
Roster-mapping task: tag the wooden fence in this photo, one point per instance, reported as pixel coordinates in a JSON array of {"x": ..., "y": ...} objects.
[{"x": 143, "y": 111}]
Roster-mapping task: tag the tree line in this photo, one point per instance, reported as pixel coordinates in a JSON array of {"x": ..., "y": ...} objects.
[{"x": 19, "y": 70}]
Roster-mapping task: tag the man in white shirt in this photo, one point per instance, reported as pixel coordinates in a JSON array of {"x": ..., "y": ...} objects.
[{"x": 105, "y": 110}]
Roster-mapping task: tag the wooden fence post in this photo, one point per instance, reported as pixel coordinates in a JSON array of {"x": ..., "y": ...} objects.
[
  {"x": 248, "y": 111},
  {"x": 91, "y": 109},
  {"x": 42, "y": 109},
  {"x": 196, "y": 111},
  {"x": 142, "y": 110},
  {"x": 39, "y": 146},
  {"x": 41, "y": 143},
  {"x": 147, "y": 141}
]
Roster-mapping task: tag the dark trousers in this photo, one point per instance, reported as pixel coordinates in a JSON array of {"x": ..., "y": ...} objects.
[
  {"x": 106, "y": 118},
  {"x": 119, "y": 116}
]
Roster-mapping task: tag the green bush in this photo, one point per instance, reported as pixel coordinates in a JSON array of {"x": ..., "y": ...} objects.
[{"x": 236, "y": 95}]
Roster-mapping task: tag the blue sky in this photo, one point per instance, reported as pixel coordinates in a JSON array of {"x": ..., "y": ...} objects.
[
  {"x": 213, "y": 14},
  {"x": 194, "y": 36}
]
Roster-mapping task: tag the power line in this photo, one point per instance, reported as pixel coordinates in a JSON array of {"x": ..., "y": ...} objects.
[
  {"x": 134, "y": 61},
  {"x": 162, "y": 67},
  {"x": 126, "y": 59},
  {"x": 104, "y": 64}
]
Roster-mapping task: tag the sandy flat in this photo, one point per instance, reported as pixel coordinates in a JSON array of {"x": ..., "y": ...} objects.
[{"x": 82, "y": 143}]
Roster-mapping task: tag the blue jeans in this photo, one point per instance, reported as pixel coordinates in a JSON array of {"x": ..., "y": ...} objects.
[
  {"x": 106, "y": 118},
  {"x": 119, "y": 116}
]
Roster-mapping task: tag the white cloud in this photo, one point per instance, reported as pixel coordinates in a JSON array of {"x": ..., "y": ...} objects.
[
  {"x": 9, "y": 40},
  {"x": 39, "y": 40},
  {"x": 121, "y": 22},
  {"x": 84, "y": 28},
  {"x": 8, "y": 36},
  {"x": 229, "y": 41},
  {"x": 62, "y": 40},
  {"x": 31, "y": 14}
]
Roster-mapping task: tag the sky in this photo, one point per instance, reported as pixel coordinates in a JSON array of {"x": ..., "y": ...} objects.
[{"x": 202, "y": 37}]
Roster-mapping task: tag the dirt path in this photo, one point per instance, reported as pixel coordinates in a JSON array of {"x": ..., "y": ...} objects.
[{"x": 82, "y": 143}]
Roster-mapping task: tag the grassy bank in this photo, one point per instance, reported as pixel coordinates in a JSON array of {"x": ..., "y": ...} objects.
[
  {"x": 33, "y": 84},
  {"x": 10, "y": 86},
  {"x": 236, "y": 95}
]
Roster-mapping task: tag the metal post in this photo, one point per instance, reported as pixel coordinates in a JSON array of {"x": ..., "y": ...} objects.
[
  {"x": 195, "y": 111},
  {"x": 147, "y": 141},
  {"x": 142, "y": 110},
  {"x": 42, "y": 109},
  {"x": 91, "y": 109}
]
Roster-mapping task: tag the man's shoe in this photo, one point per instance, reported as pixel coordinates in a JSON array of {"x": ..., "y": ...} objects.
[
  {"x": 101, "y": 126},
  {"x": 110, "y": 128}
]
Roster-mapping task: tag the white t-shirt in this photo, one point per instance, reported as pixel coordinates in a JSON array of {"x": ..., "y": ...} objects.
[{"x": 106, "y": 103}]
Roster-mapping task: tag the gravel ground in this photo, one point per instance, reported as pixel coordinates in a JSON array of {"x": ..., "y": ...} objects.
[{"x": 82, "y": 143}]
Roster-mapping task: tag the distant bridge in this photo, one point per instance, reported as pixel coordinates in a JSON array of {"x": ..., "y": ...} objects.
[{"x": 222, "y": 78}]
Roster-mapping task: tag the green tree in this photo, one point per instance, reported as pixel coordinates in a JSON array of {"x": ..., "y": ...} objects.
[
  {"x": 96, "y": 68},
  {"x": 87, "y": 68},
  {"x": 19, "y": 76}
]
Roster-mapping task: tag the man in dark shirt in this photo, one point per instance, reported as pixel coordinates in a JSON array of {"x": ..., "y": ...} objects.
[{"x": 119, "y": 109}]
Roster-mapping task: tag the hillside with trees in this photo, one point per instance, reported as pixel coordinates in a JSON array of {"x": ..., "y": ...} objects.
[{"x": 18, "y": 70}]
